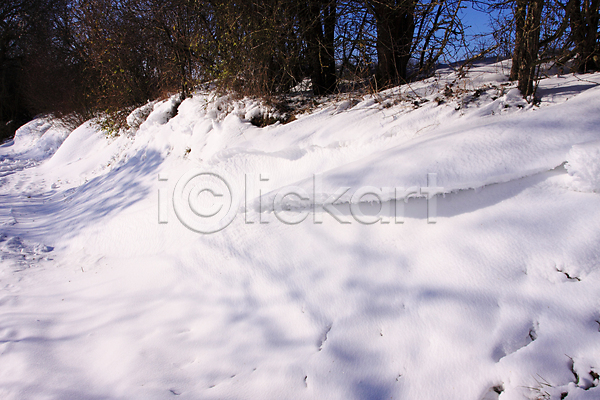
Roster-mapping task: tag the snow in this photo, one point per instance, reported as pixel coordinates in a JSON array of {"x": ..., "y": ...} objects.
[
  {"x": 583, "y": 163},
  {"x": 498, "y": 299}
]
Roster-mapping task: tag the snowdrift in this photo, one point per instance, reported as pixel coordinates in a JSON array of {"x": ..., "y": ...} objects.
[{"x": 337, "y": 275}]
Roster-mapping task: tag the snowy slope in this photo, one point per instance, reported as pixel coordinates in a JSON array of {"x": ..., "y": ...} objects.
[{"x": 496, "y": 300}]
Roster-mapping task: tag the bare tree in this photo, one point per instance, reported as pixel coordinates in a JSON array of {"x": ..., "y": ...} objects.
[
  {"x": 318, "y": 21},
  {"x": 528, "y": 14},
  {"x": 395, "y": 29},
  {"x": 583, "y": 17}
]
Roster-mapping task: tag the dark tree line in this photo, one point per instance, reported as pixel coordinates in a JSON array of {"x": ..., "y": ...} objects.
[{"x": 86, "y": 57}]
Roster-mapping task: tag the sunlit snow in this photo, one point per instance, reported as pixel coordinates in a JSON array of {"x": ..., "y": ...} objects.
[{"x": 498, "y": 299}]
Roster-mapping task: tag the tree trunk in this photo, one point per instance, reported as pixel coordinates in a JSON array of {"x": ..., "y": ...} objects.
[
  {"x": 319, "y": 34},
  {"x": 583, "y": 19},
  {"x": 519, "y": 13},
  {"x": 395, "y": 29},
  {"x": 528, "y": 14},
  {"x": 328, "y": 48}
]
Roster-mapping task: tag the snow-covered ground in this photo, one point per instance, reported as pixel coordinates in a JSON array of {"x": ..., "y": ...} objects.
[{"x": 498, "y": 299}]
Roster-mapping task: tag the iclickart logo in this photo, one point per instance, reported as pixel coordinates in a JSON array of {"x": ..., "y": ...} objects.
[{"x": 208, "y": 201}]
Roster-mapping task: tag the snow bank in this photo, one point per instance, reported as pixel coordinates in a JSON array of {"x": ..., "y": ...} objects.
[
  {"x": 39, "y": 139},
  {"x": 583, "y": 164},
  {"x": 496, "y": 300}
]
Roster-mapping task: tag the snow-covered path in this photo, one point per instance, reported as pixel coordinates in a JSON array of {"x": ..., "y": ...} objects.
[{"x": 498, "y": 299}]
